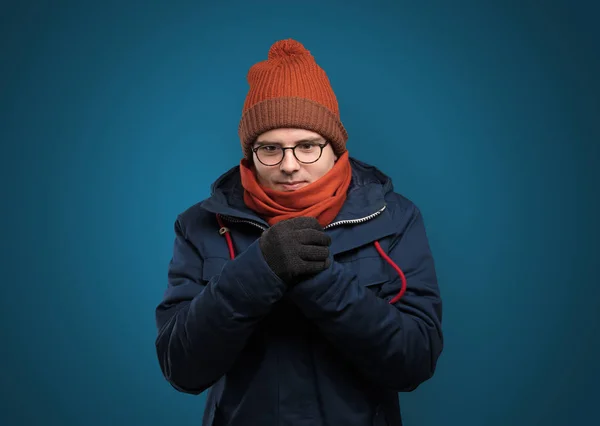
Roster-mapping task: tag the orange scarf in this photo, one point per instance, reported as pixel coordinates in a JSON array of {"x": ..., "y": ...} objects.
[{"x": 321, "y": 199}]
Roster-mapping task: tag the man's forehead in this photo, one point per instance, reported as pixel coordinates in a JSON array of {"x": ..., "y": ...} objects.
[{"x": 271, "y": 141}]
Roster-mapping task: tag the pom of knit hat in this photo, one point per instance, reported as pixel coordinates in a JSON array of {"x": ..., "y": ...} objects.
[{"x": 287, "y": 47}]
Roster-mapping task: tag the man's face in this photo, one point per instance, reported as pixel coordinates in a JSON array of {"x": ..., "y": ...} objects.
[{"x": 290, "y": 174}]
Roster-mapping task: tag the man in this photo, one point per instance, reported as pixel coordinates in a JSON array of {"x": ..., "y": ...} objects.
[{"x": 303, "y": 290}]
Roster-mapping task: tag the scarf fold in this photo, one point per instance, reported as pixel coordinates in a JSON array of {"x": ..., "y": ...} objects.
[{"x": 321, "y": 199}]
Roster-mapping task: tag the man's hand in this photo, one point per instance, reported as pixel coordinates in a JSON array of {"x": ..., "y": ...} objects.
[{"x": 296, "y": 248}]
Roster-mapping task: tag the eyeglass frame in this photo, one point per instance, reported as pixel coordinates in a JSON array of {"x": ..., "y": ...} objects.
[{"x": 320, "y": 145}]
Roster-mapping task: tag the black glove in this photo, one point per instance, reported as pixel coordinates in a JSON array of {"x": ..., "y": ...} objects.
[{"x": 296, "y": 248}]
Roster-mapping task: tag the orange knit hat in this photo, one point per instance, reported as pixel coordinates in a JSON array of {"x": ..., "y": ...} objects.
[{"x": 289, "y": 89}]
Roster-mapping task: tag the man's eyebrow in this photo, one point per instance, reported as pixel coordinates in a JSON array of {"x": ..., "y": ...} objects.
[{"x": 315, "y": 139}]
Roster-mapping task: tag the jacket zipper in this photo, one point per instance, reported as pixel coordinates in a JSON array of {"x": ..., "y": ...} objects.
[
  {"x": 354, "y": 221},
  {"x": 331, "y": 225},
  {"x": 236, "y": 220}
]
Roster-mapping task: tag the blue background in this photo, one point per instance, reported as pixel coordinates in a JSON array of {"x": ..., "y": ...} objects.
[{"x": 114, "y": 118}]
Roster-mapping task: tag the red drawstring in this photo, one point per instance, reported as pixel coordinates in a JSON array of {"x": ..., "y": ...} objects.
[
  {"x": 398, "y": 270},
  {"x": 225, "y": 231}
]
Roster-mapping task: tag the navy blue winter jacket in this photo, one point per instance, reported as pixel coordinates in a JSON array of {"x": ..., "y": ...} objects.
[{"x": 330, "y": 351}]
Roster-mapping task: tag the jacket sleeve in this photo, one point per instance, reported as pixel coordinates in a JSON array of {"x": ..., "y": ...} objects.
[
  {"x": 204, "y": 325},
  {"x": 395, "y": 346}
]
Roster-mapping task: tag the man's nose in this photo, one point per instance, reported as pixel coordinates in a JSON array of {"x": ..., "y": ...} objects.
[{"x": 289, "y": 163}]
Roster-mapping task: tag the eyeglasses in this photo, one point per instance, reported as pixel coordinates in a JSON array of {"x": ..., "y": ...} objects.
[{"x": 305, "y": 153}]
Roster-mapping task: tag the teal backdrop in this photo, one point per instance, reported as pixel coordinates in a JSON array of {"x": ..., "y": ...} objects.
[{"x": 116, "y": 116}]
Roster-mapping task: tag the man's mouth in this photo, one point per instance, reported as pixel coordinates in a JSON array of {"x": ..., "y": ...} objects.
[{"x": 292, "y": 185}]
